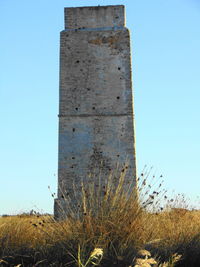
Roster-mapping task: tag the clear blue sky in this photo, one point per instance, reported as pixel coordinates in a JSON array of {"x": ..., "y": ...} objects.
[{"x": 166, "y": 75}]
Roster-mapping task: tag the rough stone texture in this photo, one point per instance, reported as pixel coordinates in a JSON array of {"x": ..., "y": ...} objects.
[
  {"x": 94, "y": 17},
  {"x": 95, "y": 112}
]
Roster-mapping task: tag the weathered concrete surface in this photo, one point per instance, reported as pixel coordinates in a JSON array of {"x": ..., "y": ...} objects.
[
  {"x": 95, "y": 112},
  {"x": 94, "y": 17}
]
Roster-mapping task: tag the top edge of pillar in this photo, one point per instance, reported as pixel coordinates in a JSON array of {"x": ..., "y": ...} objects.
[{"x": 94, "y": 17}]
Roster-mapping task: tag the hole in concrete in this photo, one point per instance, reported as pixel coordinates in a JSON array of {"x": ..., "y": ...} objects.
[
  {"x": 118, "y": 97},
  {"x": 118, "y": 156},
  {"x": 72, "y": 167},
  {"x": 119, "y": 68},
  {"x": 73, "y": 129},
  {"x": 73, "y": 157},
  {"x": 93, "y": 108},
  {"x": 76, "y": 108},
  {"x": 120, "y": 78},
  {"x": 88, "y": 89},
  {"x": 77, "y": 61}
]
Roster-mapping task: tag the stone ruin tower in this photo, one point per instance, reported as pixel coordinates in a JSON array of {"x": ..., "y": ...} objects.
[{"x": 96, "y": 123}]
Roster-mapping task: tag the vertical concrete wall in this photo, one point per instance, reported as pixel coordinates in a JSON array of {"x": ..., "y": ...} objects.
[{"x": 96, "y": 112}]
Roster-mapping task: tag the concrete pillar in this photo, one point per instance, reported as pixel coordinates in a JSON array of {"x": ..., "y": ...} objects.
[{"x": 96, "y": 129}]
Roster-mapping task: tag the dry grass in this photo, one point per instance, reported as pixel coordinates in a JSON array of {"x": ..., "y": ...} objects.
[{"x": 112, "y": 221}]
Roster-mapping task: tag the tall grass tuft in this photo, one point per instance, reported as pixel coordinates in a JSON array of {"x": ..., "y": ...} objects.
[{"x": 113, "y": 225}]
